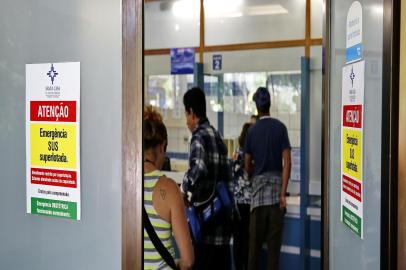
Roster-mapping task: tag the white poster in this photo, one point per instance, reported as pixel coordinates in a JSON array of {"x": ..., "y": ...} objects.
[
  {"x": 352, "y": 118},
  {"x": 354, "y": 48},
  {"x": 295, "y": 169},
  {"x": 53, "y": 139}
]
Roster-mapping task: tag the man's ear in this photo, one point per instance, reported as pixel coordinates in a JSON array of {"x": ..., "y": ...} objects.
[{"x": 163, "y": 146}]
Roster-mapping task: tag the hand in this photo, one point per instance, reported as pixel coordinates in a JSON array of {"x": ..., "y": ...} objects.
[
  {"x": 282, "y": 201},
  {"x": 180, "y": 265}
]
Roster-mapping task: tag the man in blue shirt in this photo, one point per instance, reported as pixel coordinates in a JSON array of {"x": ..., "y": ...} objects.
[
  {"x": 208, "y": 164},
  {"x": 267, "y": 160}
]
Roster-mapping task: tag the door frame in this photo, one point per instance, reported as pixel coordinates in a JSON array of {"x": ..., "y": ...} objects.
[
  {"x": 390, "y": 133},
  {"x": 325, "y": 142},
  {"x": 132, "y": 125}
]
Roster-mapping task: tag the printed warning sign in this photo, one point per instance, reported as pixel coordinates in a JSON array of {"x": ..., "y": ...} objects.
[
  {"x": 53, "y": 145},
  {"x": 52, "y": 139},
  {"x": 352, "y": 181},
  {"x": 352, "y": 152}
]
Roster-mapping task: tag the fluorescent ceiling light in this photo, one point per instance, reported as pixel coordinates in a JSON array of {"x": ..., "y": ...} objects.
[
  {"x": 266, "y": 10},
  {"x": 223, "y": 8},
  {"x": 186, "y": 9},
  {"x": 377, "y": 10},
  {"x": 234, "y": 15}
]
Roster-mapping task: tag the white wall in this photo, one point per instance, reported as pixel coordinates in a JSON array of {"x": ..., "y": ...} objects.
[{"x": 88, "y": 31}]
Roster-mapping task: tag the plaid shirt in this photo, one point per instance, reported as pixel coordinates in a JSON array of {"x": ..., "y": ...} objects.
[
  {"x": 266, "y": 189},
  {"x": 208, "y": 164}
]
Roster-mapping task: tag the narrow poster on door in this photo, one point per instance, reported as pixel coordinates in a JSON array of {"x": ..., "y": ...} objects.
[
  {"x": 53, "y": 139},
  {"x": 352, "y": 181},
  {"x": 354, "y": 48}
]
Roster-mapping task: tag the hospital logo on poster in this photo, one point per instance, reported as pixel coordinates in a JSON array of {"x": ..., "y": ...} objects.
[
  {"x": 52, "y": 74},
  {"x": 52, "y": 91},
  {"x": 352, "y": 77}
]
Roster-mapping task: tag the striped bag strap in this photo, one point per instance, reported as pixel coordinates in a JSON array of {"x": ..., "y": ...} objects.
[{"x": 157, "y": 242}]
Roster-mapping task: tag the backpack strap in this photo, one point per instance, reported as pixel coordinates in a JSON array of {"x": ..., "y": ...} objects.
[{"x": 157, "y": 242}]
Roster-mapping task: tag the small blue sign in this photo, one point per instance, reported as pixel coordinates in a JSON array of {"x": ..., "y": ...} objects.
[
  {"x": 353, "y": 53},
  {"x": 182, "y": 60},
  {"x": 217, "y": 62}
]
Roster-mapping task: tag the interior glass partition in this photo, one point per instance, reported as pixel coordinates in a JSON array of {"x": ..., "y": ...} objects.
[
  {"x": 172, "y": 24},
  {"x": 233, "y": 21},
  {"x": 165, "y": 92},
  {"x": 285, "y": 90}
]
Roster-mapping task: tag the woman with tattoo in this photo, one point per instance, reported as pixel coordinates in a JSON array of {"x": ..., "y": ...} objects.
[{"x": 162, "y": 199}]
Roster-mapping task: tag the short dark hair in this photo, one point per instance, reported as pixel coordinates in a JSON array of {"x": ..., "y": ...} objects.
[
  {"x": 243, "y": 135},
  {"x": 265, "y": 109},
  {"x": 196, "y": 100},
  {"x": 262, "y": 99}
]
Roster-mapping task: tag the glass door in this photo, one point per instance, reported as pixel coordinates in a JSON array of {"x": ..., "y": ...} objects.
[{"x": 354, "y": 166}]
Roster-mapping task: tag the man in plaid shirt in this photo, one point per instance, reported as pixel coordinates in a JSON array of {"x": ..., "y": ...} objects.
[
  {"x": 267, "y": 159},
  {"x": 208, "y": 164}
]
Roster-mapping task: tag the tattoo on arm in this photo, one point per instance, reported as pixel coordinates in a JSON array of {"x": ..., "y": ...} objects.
[{"x": 163, "y": 194}]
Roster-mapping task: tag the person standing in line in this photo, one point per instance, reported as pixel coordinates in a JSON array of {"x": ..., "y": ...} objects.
[
  {"x": 163, "y": 200},
  {"x": 208, "y": 164},
  {"x": 254, "y": 118},
  {"x": 267, "y": 159},
  {"x": 242, "y": 197}
]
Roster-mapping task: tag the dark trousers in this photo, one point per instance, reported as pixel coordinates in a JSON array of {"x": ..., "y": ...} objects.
[
  {"x": 211, "y": 257},
  {"x": 266, "y": 224},
  {"x": 240, "y": 237}
]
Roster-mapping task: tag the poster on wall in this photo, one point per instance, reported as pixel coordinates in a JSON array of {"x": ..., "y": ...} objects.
[
  {"x": 295, "y": 169},
  {"x": 53, "y": 139},
  {"x": 352, "y": 180},
  {"x": 182, "y": 61},
  {"x": 354, "y": 47}
]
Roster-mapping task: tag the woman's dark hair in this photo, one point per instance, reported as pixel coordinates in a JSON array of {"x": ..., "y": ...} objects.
[
  {"x": 243, "y": 135},
  {"x": 154, "y": 129},
  {"x": 196, "y": 100},
  {"x": 254, "y": 116}
]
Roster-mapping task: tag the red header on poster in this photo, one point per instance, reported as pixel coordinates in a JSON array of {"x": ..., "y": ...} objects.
[
  {"x": 53, "y": 111},
  {"x": 57, "y": 178},
  {"x": 352, "y": 116},
  {"x": 352, "y": 187}
]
